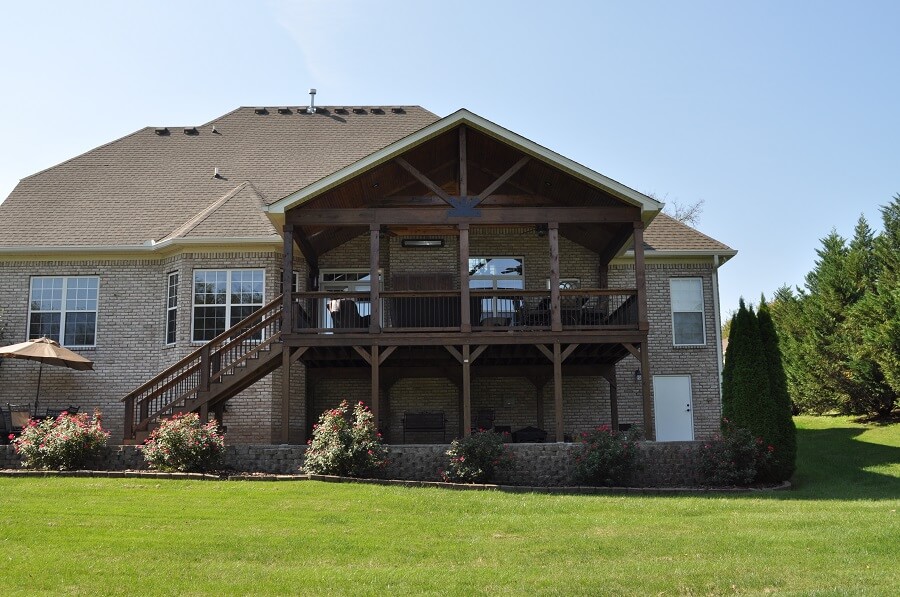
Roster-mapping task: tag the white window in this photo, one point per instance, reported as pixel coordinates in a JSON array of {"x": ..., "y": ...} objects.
[
  {"x": 64, "y": 309},
  {"x": 497, "y": 273},
  {"x": 349, "y": 280},
  {"x": 223, "y": 298},
  {"x": 687, "y": 311},
  {"x": 172, "y": 308}
]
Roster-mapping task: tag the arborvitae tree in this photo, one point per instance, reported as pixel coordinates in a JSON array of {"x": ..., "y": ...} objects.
[
  {"x": 780, "y": 431},
  {"x": 785, "y": 309},
  {"x": 745, "y": 377}
]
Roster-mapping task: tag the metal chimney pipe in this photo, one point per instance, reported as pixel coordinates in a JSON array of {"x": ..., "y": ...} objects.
[{"x": 312, "y": 102}]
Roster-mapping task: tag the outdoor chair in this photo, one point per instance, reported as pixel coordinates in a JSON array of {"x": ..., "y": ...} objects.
[
  {"x": 52, "y": 413},
  {"x": 345, "y": 314},
  {"x": 483, "y": 420},
  {"x": 16, "y": 417}
]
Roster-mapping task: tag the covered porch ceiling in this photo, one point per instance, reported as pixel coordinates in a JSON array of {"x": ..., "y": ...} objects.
[{"x": 465, "y": 174}]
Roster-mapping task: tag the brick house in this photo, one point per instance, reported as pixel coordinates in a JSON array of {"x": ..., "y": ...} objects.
[{"x": 228, "y": 269}]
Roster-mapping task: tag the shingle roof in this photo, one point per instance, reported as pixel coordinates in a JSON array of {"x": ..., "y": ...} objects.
[
  {"x": 145, "y": 186},
  {"x": 666, "y": 234}
]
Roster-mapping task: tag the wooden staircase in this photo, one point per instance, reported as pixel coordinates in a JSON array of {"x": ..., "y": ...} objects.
[{"x": 202, "y": 381}]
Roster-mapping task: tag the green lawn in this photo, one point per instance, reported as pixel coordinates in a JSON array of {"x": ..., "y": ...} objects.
[{"x": 838, "y": 532}]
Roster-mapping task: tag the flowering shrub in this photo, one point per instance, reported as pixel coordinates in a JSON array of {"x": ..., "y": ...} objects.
[
  {"x": 63, "y": 443},
  {"x": 183, "y": 444},
  {"x": 345, "y": 445},
  {"x": 476, "y": 458},
  {"x": 608, "y": 457},
  {"x": 734, "y": 457}
]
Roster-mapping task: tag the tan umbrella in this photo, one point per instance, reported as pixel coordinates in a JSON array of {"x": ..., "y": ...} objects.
[{"x": 45, "y": 350}]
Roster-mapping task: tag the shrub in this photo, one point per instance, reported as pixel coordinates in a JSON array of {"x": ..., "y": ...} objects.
[
  {"x": 735, "y": 457},
  {"x": 475, "y": 459},
  {"x": 608, "y": 457},
  {"x": 183, "y": 444},
  {"x": 63, "y": 443},
  {"x": 344, "y": 445}
]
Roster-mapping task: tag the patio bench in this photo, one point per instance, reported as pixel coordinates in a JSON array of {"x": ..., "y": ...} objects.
[{"x": 425, "y": 422}]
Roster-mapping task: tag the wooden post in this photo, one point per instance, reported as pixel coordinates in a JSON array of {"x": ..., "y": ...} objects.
[
  {"x": 639, "y": 276},
  {"x": 204, "y": 368},
  {"x": 464, "y": 302},
  {"x": 287, "y": 279},
  {"x": 467, "y": 391},
  {"x": 375, "y": 282},
  {"x": 129, "y": 419},
  {"x": 649, "y": 421},
  {"x": 376, "y": 385},
  {"x": 555, "y": 317},
  {"x": 285, "y": 393},
  {"x": 557, "y": 392}
]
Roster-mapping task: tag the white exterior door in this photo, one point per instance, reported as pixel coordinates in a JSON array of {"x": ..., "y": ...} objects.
[{"x": 673, "y": 408}]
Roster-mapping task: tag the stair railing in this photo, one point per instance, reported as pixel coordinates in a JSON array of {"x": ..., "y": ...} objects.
[{"x": 196, "y": 374}]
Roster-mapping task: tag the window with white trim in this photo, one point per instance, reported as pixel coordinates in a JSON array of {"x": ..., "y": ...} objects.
[
  {"x": 346, "y": 280},
  {"x": 497, "y": 273},
  {"x": 64, "y": 308},
  {"x": 688, "y": 327},
  {"x": 223, "y": 298},
  {"x": 172, "y": 308}
]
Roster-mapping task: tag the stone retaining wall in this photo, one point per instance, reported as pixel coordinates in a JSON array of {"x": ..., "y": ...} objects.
[{"x": 663, "y": 464}]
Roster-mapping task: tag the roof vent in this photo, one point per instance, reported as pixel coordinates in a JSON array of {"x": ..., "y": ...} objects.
[
  {"x": 260, "y": 110},
  {"x": 359, "y": 110},
  {"x": 162, "y": 131},
  {"x": 284, "y": 110},
  {"x": 216, "y": 172},
  {"x": 312, "y": 102},
  {"x": 191, "y": 131},
  {"x": 377, "y": 111},
  {"x": 398, "y": 110},
  {"x": 344, "y": 111}
]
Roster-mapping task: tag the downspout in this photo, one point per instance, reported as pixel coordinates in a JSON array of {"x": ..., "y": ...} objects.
[{"x": 718, "y": 316}]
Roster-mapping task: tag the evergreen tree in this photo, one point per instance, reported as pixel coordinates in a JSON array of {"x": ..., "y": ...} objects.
[
  {"x": 876, "y": 320},
  {"x": 780, "y": 432},
  {"x": 745, "y": 378}
]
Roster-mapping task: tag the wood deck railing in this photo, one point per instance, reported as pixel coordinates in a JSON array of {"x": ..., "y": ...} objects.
[
  {"x": 442, "y": 310},
  {"x": 191, "y": 382}
]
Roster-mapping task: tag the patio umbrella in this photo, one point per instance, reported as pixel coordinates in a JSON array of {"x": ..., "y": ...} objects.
[{"x": 45, "y": 350}]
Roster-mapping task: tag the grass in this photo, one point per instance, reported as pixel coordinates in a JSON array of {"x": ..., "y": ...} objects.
[{"x": 838, "y": 532}]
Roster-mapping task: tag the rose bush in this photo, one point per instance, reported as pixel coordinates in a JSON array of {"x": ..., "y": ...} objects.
[
  {"x": 66, "y": 442},
  {"x": 345, "y": 443},
  {"x": 734, "y": 457},
  {"x": 477, "y": 458},
  {"x": 608, "y": 457},
  {"x": 181, "y": 443}
]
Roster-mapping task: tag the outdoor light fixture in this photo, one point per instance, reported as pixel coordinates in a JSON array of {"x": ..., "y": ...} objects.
[
  {"x": 637, "y": 376},
  {"x": 422, "y": 242}
]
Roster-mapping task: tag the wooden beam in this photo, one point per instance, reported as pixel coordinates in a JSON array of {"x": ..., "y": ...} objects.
[
  {"x": 503, "y": 178},
  {"x": 437, "y": 190},
  {"x": 376, "y": 386},
  {"x": 364, "y": 354},
  {"x": 298, "y": 352},
  {"x": 285, "y": 394},
  {"x": 309, "y": 254},
  {"x": 438, "y": 217},
  {"x": 544, "y": 351},
  {"x": 557, "y": 393},
  {"x": 388, "y": 351},
  {"x": 467, "y": 391},
  {"x": 465, "y": 305},
  {"x": 374, "y": 280},
  {"x": 555, "y": 314},
  {"x": 477, "y": 352},
  {"x": 463, "y": 163},
  {"x": 614, "y": 405},
  {"x": 640, "y": 280},
  {"x": 633, "y": 350},
  {"x": 287, "y": 279},
  {"x": 456, "y": 354},
  {"x": 568, "y": 351}
]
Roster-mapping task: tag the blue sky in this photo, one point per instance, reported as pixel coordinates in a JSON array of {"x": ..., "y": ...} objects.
[{"x": 781, "y": 116}]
